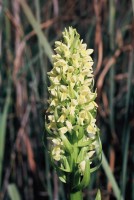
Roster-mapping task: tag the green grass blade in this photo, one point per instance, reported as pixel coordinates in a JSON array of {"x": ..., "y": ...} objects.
[
  {"x": 126, "y": 129},
  {"x": 125, "y": 159},
  {"x": 13, "y": 192},
  {"x": 42, "y": 58},
  {"x": 36, "y": 26},
  {"x": 112, "y": 11},
  {"x": 111, "y": 178},
  {"x": 62, "y": 193},
  {"x": 3, "y": 121},
  {"x": 129, "y": 82}
]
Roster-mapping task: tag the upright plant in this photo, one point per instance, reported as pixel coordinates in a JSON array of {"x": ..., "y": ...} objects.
[{"x": 74, "y": 143}]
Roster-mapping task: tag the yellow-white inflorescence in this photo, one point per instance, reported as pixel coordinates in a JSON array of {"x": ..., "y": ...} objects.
[{"x": 72, "y": 109}]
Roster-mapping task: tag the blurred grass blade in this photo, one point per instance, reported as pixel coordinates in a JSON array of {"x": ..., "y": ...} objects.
[
  {"x": 126, "y": 129},
  {"x": 3, "y": 120},
  {"x": 42, "y": 59},
  {"x": 13, "y": 192},
  {"x": 132, "y": 185},
  {"x": 129, "y": 82},
  {"x": 112, "y": 23},
  {"x": 125, "y": 159},
  {"x": 49, "y": 186},
  {"x": 36, "y": 26},
  {"x": 98, "y": 196},
  {"x": 112, "y": 12},
  {"x": 111, "y": 178},
  {"x": 133, "y": 6},
  {"x": 62, "y": 193}
]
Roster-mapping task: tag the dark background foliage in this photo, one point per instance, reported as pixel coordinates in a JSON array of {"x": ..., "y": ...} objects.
[{"x": 28, "y": 30}]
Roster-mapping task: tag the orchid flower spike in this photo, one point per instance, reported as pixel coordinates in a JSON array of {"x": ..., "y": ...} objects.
[{"x": 74, "y": 142}]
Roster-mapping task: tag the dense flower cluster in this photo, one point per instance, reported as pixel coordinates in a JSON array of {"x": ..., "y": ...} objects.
[{"x": 73, "y": 134}]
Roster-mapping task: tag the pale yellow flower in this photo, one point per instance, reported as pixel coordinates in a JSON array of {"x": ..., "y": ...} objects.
[
  {"x": 82, "y": 167},
  {"x": 92, "y": 105},
  {"x": 91, "y": 153},
  {"x": 71, "y": 110},
  {"x": 56, "y": 153},
  {"x": 56, "y": 141},
  {"x": 82, "y": 99},
  {"x": 62, "y": 118},
  {"x": 54, "y": 102},
  {"x": 83, "y": 115},
  {"x": 51, "y": 118},
  {"x": 91, "y": 129},
  {"x": 63, "y": 130},
  {"x": 69, "y": 125},
  {"x": 52, "y": 125}
]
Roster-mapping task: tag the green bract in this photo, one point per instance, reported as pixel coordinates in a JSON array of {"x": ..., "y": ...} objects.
[{"x": 74, "y": 144}]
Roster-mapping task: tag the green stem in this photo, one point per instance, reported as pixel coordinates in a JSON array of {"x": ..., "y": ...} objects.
[{"x": 76, "y": 195}]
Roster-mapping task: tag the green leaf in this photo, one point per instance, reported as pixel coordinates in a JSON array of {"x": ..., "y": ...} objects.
[
  {"x": 66, "y": 143},
  {"x": 3, "y": 121},
  {"x": 56, "y": 114},
  {"x": 82, "y": 154},
  {"x": 65, "y": 167},
  {"x": 81, "y": 143},
  {"x": 61, "y": 172},
  {"x": 111, "y": 178},
  {"x": 48, "y": 130},
  {"x": 81, "y": 132},
  {"x": 62, "y": 178}
]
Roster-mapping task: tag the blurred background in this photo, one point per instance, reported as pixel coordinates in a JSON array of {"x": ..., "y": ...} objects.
[{"x": 28, "y": 30}]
